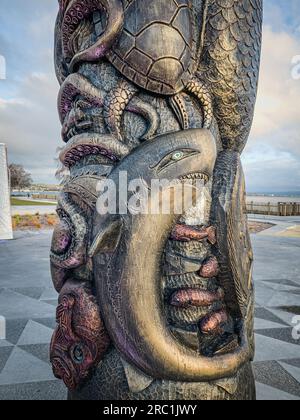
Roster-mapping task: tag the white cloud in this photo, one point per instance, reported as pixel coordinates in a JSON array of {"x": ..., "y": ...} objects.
[
  {"x": 279, "y": 94},
  {"x": 28, "y": 116},
  {"x": 272, "y": 156},
  {"x": 29, "y": 122},
  {"x": 30, "y": 127}
]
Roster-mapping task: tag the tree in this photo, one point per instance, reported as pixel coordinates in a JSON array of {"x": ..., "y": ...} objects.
[{"x": 19, "y": 178}]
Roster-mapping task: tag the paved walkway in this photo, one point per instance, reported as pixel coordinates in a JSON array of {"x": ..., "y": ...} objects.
[
  {"x": 277, "y": 282},
  {"x": 28, "y": 302}
]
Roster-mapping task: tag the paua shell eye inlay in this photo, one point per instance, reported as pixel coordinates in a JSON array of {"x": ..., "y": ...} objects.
[
  {"x": 77, "y": 354},
  {"x": 177, "y": 156},
  {"x": 174, "y": 157}
]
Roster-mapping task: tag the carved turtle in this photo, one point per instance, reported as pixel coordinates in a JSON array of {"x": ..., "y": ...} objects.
[
  {"x": 157, "y": 49},
  {"x": 153, "y": 44}
]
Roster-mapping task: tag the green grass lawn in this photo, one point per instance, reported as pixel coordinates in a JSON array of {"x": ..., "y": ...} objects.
[{"x": 19, "y": 202}]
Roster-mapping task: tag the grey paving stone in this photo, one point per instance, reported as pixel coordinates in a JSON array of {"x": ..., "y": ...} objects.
[
  {"x": 270, "y": 295},
  {"x": 5, "y": 352},
  {"x": 285, "y": 316},
  {"x": 35, "y": 333},
  {"x": 41, "y": 351},
  {"x": 294, "y": 292},
  {"x": 5, "y": 343},
  {"x": 268, "y": 393},
  {"x": 282, "y": 334},
  {"x": 276, "y": 258},
  {"x": 262, "y": 324},
  {"x": 272, "y": 349},
  {"x": 263, "y": 313},
  {"x": 37, "y": 391},
  {"x": 283, "y": 282},
  {"x": 16, "y": 306},
  {"x": 295, "y": 310},
  {"x": 14, "y": 329},
  {"x": 26, "y": 260},
  {"x": 49, "y": 293},
  {"x": 282, "y": 299},
  {"x": 292, "y": 370},
  {"x": 48, "y": 322},
  {"x": 280, "y": 287},
  {"x": 53, "y": 302},
  {"x": 32, "y": 292},
  {"x": 292, "y": 362},
  {"x": 22, "y": 367},
  {"x": 273, "y": 374}
]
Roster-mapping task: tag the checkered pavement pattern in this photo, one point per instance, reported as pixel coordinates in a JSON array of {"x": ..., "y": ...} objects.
[{"x": 28, "y": 303}]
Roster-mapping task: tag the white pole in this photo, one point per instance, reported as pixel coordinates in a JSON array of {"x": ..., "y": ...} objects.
[{"x": 6, "y": 231}]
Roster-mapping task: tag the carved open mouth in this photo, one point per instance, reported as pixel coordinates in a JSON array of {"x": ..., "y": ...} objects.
[
  {"x": 195, "y": 177},
  {"x": 73, "y": 130},
  {"x": 195, "y": 302},
  {"x": 63, "y": 370},
  {"x": 199, "y": 317},
  {"x": 176, "y": 329}
]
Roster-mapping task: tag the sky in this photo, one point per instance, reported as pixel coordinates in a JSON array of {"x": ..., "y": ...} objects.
[{"x": 29, "y": 123}]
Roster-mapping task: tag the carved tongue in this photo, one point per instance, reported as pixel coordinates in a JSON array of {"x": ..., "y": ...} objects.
[
  {"x": 195, "y": 297},
  {"x": 212, "y": 323},
  {"x": 186, "y": 233},
  {"x": 210, "y": 268}
]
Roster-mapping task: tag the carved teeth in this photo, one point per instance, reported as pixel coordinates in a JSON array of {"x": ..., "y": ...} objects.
[{"x": 196, "y": 176}]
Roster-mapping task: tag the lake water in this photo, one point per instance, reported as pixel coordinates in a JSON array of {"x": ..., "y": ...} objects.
[
  {"x": 273, "y": 199},
  {"x": 267, "y": 198}
]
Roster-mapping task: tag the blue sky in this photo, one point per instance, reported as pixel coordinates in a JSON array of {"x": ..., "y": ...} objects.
[{"x": 28, "y": 117}]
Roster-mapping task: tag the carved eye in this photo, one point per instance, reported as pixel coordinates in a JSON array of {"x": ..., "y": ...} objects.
[
  {"x": 82, "y": 104},
  {"x": 177, "y": 156},
  {"x": 77, "y": 354},
  {"x": 174, "y": 157}
]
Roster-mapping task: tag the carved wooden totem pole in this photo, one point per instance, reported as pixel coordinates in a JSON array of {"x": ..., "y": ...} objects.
[{"x": 155, "y": 305}]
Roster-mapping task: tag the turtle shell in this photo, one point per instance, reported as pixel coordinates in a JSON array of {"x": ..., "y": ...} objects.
[{"x": 157, "y": 47}]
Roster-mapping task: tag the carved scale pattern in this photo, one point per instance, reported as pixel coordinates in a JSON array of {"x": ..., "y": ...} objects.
[{"x": 230, "y": 65}]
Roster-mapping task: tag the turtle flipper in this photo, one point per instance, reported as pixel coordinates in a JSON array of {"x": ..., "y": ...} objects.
[
  {"x": 115, "y": 104},
  {"x": 148, "y": 112},
  {"x": 202, "y": 93}
]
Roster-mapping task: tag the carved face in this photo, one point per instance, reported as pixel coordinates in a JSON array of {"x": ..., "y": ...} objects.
[
  {"x": 79, "y": 340},
  {"x": 69, "y": 355},
  {"x": 79, "y": 106}
]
